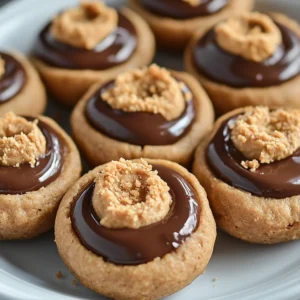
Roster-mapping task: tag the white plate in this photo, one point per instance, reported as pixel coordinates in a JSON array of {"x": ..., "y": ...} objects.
[{"x": 237, "y": 270}]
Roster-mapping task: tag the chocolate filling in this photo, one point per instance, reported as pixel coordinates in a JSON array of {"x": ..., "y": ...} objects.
[
  {"x": 138, "y": 128},
  {"x": 23, "y": 179},
  {"x": 114, "y": 50},
  {"x": 278, "y": 180},
  {"x": 179, "y": 9},
  {"x": 138, "y": 246},
  {"x": 13, "y": 79},
  {"x": 226, "y": 68}
]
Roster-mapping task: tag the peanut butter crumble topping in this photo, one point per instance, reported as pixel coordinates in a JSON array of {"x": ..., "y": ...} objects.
[
  {"x": 193, "y": 2},
  {"x": 253, "y": 36},
  {"x": 21, "y": 141},
  {"x": 151, "y": 89},
  {"x": 129, "y": 194},
  {"x": 265, "y": 136},
  {"x": 85, "y": 26},
  {"x": 2, "y": 67}
]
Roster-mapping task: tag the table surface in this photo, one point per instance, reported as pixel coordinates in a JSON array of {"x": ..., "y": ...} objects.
[{"x": 2, "y": 2}]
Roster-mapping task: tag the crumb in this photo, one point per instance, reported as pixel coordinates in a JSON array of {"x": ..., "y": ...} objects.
[
  {"x": 253, "y": 36},
  {"x": 252, "y": 165},
  {"x": 59, "y": 275},
  {"x": 129, "y": 194},
  {"x": 21, "y": 141},
  {"x": 214, "y": 280},
  {"x": 75, "y": 282},
  {"x": 264, "y": 136},
  {"x": 151, "y": 89},
  {"x": 85, "y": 26}
]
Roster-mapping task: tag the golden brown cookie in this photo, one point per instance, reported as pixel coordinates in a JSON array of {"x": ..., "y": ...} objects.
[
  {"x": 90, "y": 43},
  {"x": 38, "y": 163},
  {"x": 116, "y": 255},
  {"x": 149, "y": 112},
  {"x": 256, "y": 69},
  {"x": 249, "y": 167},
  {"x": 175, "y": 21},
  {"x": 21, "y": 89}
]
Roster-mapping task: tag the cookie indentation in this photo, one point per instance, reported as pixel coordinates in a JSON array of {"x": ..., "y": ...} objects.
[
  {"x": 152, "y": 89},
  {"x": 21, "y": 141},
  {"x": 85, "y": 26},
  {"x": 265, "y": 135},
  {"x": 129, "y": 194},
  {"x": 254, "y": 36}
]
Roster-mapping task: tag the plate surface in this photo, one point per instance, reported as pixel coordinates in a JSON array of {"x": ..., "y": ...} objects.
[{"x": 237, "y": 270}]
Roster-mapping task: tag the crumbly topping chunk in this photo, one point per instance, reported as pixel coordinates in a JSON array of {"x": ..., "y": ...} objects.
[
  {"x": 2, "y": 67},
  {"x": 151, "y": 89},
  {"x": 251, "y": 165},
  {"x": 21, "y": 141},
  {"x": 129, "y": 194},
  {"x": 265, "y": 135},
  {"x": 253, "y": 36},
  {"x": 193, "y": 2},
  {"x": 85, "y": 26}
]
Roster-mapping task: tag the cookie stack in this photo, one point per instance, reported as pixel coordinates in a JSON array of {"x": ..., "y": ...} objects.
[{"x": 142, "y": 223}]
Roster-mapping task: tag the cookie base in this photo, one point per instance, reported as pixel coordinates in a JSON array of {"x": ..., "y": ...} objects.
[
  {"x": 28, "y": 215},
  {"x": 32, "y": 98},
  {"x": 241, "y": 214},
  {"x": 154, "y": 280},
  {"x": 173, "y": 34},
  {"x": 98, "y": 148},
  {"x": 57, "y": 80},
  {"x": 226, "y": 98}
]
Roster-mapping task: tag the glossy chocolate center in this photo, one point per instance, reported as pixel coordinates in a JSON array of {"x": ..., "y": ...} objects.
[
  {"x": 179, "y": 9},
  {"x": 138, "y": 128},
  {"x": 278, "y": 180},
  {"x": 232, "y": 70},
  {"x": 114, "y": 50},
  {"x": 13, "y": 79},
  {"x": 138, "y": 246},
  {"x": 23, "y": 179}
]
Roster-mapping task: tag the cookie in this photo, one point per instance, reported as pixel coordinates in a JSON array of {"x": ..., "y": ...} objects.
[
  {"x": 21, "y": 89},
  {"x": 250, "y": 60},
  {"x": 90, "y": 43},
  {"x": 149, "y": 112},
  {"x": 124, "y": 227},
  {"x": 175, "y": 21},
  {"x": 249, "y": 167},
  {"x": 38, "y": 164}
]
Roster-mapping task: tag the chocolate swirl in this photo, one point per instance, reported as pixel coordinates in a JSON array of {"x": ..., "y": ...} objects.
[
  {"x": 23, "y": 179},
  {"x": 232, "y": 70},
  {"x": 179, "y": 9},
  {"x": 13, "y": 79},
  {"x": 114, "y": 50},
  {"x": 138, "y": 246},
  {"x": 138, "y": 128},
  {"x": 278, "y": 180}
]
